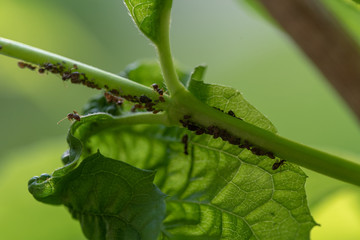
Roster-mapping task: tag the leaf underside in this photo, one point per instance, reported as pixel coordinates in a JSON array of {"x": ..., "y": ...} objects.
[
  {"x": 217, "y": 191},
  {"x": 147, "y": 16}
]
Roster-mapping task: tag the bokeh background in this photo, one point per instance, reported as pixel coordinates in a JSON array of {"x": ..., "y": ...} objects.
[{"x": 241, "y": 50}]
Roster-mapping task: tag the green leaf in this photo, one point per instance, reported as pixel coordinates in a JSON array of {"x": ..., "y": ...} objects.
[
  {"x": 148, "y": 72},
  {"x": 98, "y": 103},
  {"x": 226, "y": 99},
  {"x": 110, "y": 198},
  {"x": 148, "y": 14},
  {"x": 218, "y": 190}
]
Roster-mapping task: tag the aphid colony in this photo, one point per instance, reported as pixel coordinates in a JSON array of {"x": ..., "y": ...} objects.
[
  {"x": 112, "y": 95},
  {"x": 218, "y": 132},
  {"x": 66, "y": 73},
  {"x": 143, "y": 102}
]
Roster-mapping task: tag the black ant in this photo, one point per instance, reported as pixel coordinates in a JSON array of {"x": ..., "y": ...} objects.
[
  {"x": 71, "y": 116},
  {"x": 160, "y": 91},
  {"x": 184, "y": 140},
  {"x": 277, "y": 164}
]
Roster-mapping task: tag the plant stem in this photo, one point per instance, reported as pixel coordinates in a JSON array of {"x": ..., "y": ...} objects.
[
  {"x": 98, "y": 76},
  {"x": 183, "y": 102},
  {"x": 134, "y": 118},
  {"x": 163, "y": 48},
  {"x": 307, "y": 157}
]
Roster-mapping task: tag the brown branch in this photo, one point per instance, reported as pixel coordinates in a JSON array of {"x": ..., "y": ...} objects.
[{"x": 324, "y": 41}]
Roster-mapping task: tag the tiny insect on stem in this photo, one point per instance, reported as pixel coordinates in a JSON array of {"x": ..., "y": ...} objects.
[
  {"x": 185, "y": 140},
  {"x": 277, "y": 164},
  {"x": 71, "y": 116}
]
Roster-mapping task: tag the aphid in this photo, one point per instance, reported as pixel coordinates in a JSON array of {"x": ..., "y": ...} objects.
[
  {"x": 75, "y": 66},
  {"x": 22, "y": 64},
  {"x": 111, "y": 98},
  {"x": 184, "y": 140},
  {"x": 192, "y": 127},
  {"x": 277, "y": 164},
  {"x": 160, "y": 92},
  {"x": 246, "y": 145},
  {"x": 41, "y": 70},
  {"x": 0, "y": 47},
  {"x": 48, "y": 66},
  {"x": 149, "y": 106},
  {"x": 200, "y": 131},
  {"x": 155, "y": 86},
  {"x": 136, "y": 106},
  {"x": 231, "y": 113},
  {"x": 71, "y": 116},
  {"x": 75, "y": 77},
  {"x": 270, "y": 155},
  {"x": 66, "y": 76},
  {"x": 161, "y": 98},
  {"x": 84, "y": 76},
  {"x": 31, "y": 67},
  {"x": 115, "y": 92},
  {"x": 145, "y": 99}
]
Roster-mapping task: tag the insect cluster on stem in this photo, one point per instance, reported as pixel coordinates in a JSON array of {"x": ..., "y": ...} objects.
[{"x": 218, "y": 132}]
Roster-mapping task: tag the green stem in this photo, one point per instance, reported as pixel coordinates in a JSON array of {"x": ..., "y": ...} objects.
[
  {"x": 135, "y": 118},
  {"x": 98, "y": 76},
  {"x": 307, "y": 157},
  {"x": 163, "y": 48},
  {"x": 183, "y": 102}
]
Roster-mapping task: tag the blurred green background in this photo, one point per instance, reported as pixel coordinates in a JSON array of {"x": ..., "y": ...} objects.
[{"x": 240, "y": 49}]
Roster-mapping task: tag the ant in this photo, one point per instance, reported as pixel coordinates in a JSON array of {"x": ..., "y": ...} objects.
[
  {"x": 71, "y": 116},
  {"x": 277, "y": 164},
  {"x": 160, "y": 91}
]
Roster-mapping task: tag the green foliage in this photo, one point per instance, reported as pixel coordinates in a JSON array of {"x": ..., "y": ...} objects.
[
  {"x": 154, "y": 181},
  {"x": 111, "y": 199},
  {"x": 226, "y": 99},
  {"x": 148, "y": 15},
  {"x": 218, "y": 190}
]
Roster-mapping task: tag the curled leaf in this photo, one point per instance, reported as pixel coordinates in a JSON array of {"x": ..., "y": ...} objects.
[{"x": 148, "y": 14}]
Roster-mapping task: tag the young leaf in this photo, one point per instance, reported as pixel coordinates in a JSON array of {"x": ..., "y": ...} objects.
[
  {"x": 226, "y": 99},
  {"x": 217, "y": 191},
  {"x": 111, "y": 199},
  {"x": 148, "y": 14}
]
